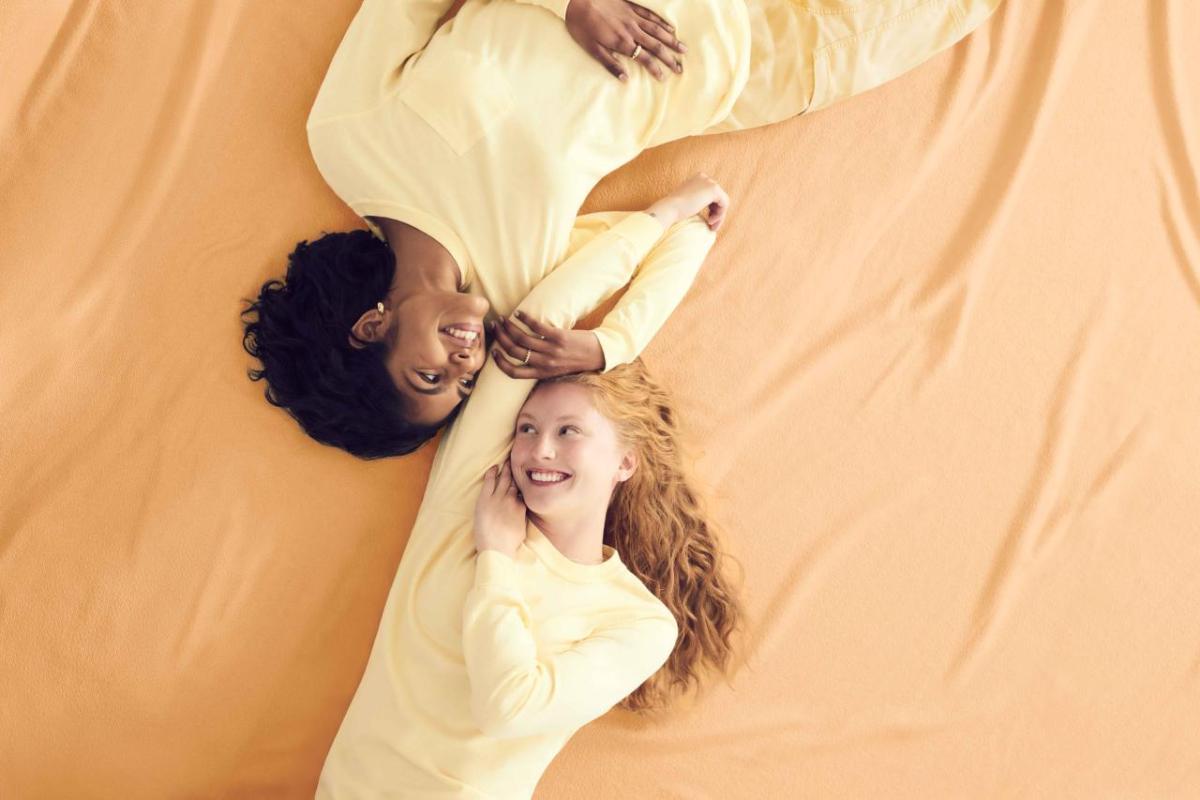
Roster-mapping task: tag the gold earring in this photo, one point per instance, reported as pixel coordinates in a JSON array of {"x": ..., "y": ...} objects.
[{"x": 379, "y": 306}]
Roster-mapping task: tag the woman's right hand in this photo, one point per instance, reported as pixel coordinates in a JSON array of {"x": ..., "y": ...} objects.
[{"x": 699, "y": 194}]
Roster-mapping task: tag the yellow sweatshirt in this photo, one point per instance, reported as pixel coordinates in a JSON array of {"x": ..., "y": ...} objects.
[
  {"x": 490, "y": 137},
  {"x": 484, "y": 666},
  {"x": 489, "y": 134}
]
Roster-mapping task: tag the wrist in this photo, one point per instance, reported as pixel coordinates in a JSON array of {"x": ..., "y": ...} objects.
[{"x": 665, "y": 211}]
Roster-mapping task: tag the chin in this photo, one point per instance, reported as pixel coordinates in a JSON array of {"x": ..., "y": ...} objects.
[{"x": 538, "y": 506}]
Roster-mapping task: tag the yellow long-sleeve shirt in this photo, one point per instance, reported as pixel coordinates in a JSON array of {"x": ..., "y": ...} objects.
[
  {"x": 489, "y": 135},
  {"x": 484, "y": 666}
]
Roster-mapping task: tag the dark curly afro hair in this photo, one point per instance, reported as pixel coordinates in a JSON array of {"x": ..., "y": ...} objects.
[{"x": 299, "y": 329}]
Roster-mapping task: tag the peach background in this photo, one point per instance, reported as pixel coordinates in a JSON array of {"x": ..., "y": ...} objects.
[{"x": 942, "y": 368}]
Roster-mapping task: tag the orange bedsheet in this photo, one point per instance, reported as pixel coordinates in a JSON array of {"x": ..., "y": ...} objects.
[{"x": 942, "y": 369}]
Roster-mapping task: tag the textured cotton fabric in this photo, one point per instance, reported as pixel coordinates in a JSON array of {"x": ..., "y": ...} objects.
[
  {"x": 940, "y": 373},
  {"x": 550, "y": 645},
  {"x": 488, "y": 134},
  {"x": 489, "y": 137}
]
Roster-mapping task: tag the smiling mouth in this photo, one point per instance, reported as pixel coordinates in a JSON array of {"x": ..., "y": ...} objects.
[
  {"x": 544, "y": 477},
  {"x": 467, "y": 335}
]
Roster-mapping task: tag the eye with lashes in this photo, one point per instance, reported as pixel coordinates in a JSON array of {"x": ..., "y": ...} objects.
[{"x": 430, "y": 377}]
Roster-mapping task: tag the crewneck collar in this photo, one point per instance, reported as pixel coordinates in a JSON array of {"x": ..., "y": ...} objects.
[{"x": 553, "y": 558}]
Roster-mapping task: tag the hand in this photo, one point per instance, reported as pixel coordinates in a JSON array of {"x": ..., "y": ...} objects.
[
  {"x": 699, "y": 194},
  {"x": 552, "y": 351},
  {"x": 499, "y": 512},
  {"x": 605, "y": 27}
]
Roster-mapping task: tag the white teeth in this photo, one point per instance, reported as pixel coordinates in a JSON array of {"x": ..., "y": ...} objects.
[
  {"x": 459, "y": 333},
  {"x": 547, "y": 477}
]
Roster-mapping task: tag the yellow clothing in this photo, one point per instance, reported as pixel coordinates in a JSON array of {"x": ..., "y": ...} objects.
[
  {"x": 484, "y": 666},
  {"x": 490, "y": 138},
  {"x": 489, "y": 135}
]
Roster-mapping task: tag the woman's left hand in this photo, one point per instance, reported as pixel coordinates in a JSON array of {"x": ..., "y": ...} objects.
[
  {"x": 604, "y": 28},
  {"x": 546, "y": 353},
  {"x": 499, "y": 512}
]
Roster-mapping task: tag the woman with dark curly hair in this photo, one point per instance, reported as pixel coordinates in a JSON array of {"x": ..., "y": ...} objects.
[{"x": 469, "y": 150}]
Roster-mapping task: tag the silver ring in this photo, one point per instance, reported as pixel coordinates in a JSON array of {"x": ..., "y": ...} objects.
[
  {"x": 528, "y": 353},
  {"x": 637, "y": 51}
]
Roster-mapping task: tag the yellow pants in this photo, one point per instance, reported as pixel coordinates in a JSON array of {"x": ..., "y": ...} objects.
[{"x": 809, "y": 54}]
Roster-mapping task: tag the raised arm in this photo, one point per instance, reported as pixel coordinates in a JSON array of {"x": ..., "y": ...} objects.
[
  {"x": 657, "y": 289},
  {"x": 517, "y": 692},
  {"x": 693, "y": 211},
  {"x": 481, "y": 434}
]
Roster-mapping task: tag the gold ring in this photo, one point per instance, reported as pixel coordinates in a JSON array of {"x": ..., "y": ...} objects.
[
  {"x": 637, "y": 51},
  {"x": 528, "y": 353}
]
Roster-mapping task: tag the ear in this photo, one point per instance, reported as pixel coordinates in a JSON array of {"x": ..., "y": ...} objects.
[
  {"x": 628, "y": 466},
  {"x": 370, "y": 327}
]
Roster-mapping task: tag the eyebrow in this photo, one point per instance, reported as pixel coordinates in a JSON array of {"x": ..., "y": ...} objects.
[{"x": 568, "y": 418}]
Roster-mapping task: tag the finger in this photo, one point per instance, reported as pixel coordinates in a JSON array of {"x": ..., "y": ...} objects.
[
  {"x": 518, "y": 371},
  {"x": 605, "y": 57},
  {"x": 647, "y": 14},
  {"x": 489, "y": 480},
  {"x": 715, "y": 215},
  {"x": 545, "y": 331},
  {"x": 657, "y": 52},
  {"x": 507, "y": 345},
  {"x": 523, "y": 339},
  {"x": 511, "y": 489},
  {"x": 666, "y": 42},
  {"x": 646, "y": 56},
  {"x": 503, "y": 479}
]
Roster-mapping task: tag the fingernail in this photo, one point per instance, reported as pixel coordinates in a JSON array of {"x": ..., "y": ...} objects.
[
  {"x": 623, "y": 76},
  {"x": 678, "y": 66},
  {"x": 682, "y": 47}
]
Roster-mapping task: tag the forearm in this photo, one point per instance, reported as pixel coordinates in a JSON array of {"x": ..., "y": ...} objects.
[{"x": 658, "y": 287}]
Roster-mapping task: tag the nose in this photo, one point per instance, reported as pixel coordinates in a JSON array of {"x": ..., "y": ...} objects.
[
  {"x": 544, "y": 451},
  {"x": 467, "y": 360}
]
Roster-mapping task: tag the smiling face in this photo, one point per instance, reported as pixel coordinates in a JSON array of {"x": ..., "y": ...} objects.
[
  {"x": 436, "y": 348},
  {"x": 567, "y": 457}
]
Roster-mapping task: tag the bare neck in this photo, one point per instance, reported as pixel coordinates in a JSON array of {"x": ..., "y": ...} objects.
[
  {"x": 422, "y": 263},
  {"x": 580, "y": 540}
]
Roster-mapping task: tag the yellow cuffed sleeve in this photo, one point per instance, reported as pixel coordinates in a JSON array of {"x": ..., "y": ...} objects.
[{"x": 659, "y": 285}]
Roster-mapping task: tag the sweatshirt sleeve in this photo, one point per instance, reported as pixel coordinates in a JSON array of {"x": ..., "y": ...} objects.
[
  {"x": 517, "y": 692},
  {"x": 380, "y": 39},
  {"x": 658, "y": 287},
  {"x": 481, "y": 434}
]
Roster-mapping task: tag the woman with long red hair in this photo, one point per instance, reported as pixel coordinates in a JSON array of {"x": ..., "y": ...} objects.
[{"x": 500, "y": 639}]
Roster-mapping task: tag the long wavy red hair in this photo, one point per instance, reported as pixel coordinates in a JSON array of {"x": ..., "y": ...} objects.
[{"x": 657, "y": 522}]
